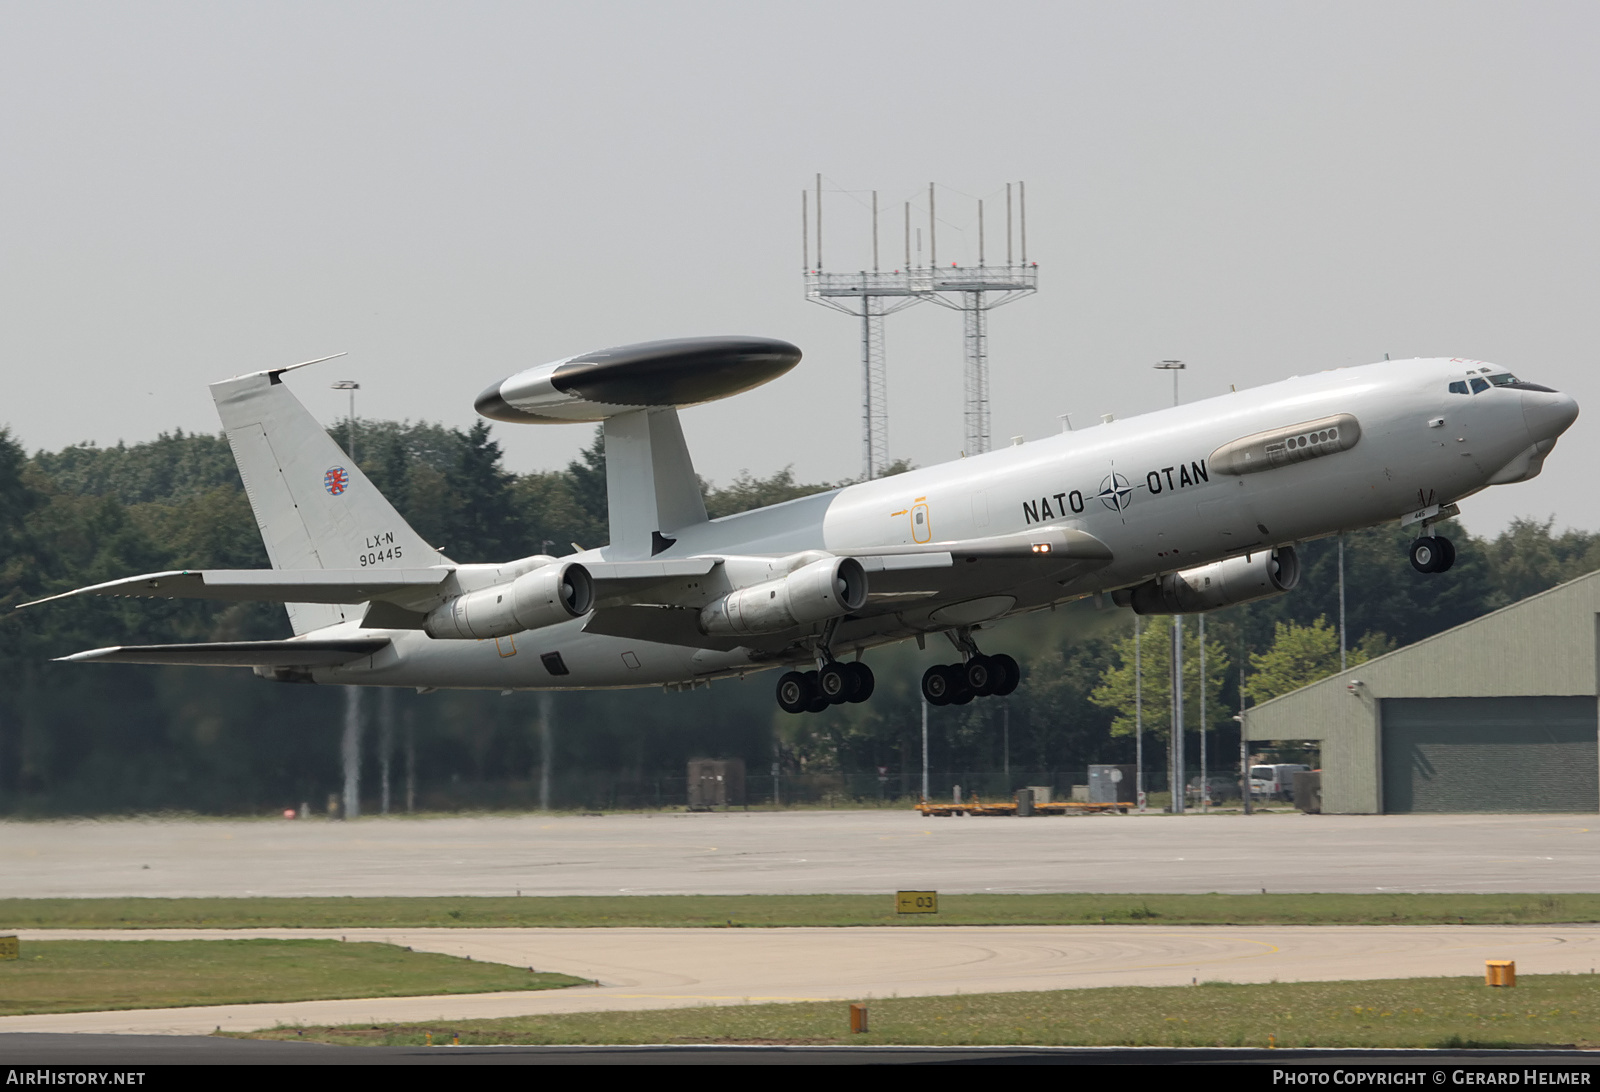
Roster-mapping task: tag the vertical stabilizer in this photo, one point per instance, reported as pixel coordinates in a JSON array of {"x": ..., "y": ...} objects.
[
  {"x": 651, "y": 486},
  {"x": 315, "y": 508}
]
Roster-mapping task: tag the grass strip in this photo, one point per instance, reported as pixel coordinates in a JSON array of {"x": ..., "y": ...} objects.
[
  {"x": 94, "y": 975},
  {"x": 1542, "y": 1011},
  {"x": 709, "y": 911}
]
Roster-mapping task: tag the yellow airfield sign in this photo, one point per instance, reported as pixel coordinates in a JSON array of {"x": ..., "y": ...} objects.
[{"x": 916, "y": 902}]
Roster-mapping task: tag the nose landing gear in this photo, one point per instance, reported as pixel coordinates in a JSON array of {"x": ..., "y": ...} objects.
[{"x": 1432, "y": 554}]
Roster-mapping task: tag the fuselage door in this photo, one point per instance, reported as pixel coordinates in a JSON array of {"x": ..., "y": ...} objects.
[{"x": 921, "y": 525}]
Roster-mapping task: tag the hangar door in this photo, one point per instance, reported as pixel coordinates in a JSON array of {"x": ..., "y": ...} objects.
[{"x": 1490, "y": 754}]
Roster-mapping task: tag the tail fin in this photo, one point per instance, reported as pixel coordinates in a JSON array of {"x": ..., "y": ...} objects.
[{"x": 315, "y": 508}]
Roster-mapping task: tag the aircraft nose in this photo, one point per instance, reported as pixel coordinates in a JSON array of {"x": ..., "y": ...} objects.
[{"x": 1548, "y": 414}]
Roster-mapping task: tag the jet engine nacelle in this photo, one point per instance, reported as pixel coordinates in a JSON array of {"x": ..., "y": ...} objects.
[
  {"x": 830, "y": 588},
  {"x": 1220, "y": 584},
  {"x": 547, "y": 595}
]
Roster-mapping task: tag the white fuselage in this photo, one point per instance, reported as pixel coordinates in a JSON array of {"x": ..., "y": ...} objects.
[{"x": 1143, "y": 486}]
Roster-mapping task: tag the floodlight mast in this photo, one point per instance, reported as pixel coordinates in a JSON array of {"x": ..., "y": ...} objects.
[{"x": 871, "y": 296}]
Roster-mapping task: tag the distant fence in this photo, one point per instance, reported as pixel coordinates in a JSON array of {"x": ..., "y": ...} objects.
[{"x": 604, "y": 791}]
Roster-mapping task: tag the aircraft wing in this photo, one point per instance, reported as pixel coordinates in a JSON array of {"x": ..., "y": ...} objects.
[
  {"x": 291, "y": 653},
  {"x": 653, "y": 601},
  {"x": 947, "y": 571},
  {"x": 267, "y": 585},
  {"x": 660, "y": 624},
  {"x": 627, "y": 583},
  {"x": 1045, "y": 544},
  {"x": 910, "y": 580}
]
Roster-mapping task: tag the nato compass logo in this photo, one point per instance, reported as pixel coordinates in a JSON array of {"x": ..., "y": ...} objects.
[
  {"x": 336, "y": 480},
  {"x": 1115, "y": 493}
]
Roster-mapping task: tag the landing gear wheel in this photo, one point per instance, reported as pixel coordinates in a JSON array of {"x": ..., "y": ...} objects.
[
  {"x": 1449, "y": 549},
  {"x": 1007, "y": 674},
  {"x": 961, "y": 694},
  {"x": 1431, "y": 554},
  {"x": 819, "y": 701},
  {"x": 937, "y": 685},
  {"x": 865, "y": 682},
  {"x": 836, "y": 682},
  {"x": 794, "y": 693},
  {"x": 979, "y": 675}
]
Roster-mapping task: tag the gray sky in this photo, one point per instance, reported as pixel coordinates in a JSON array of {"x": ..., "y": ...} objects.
[{"x": 452, "y": 192}]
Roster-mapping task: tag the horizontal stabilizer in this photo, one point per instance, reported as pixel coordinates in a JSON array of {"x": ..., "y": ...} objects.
[
  {"x": 267, "y": 585},
  {"x": 292, "y": 653}
]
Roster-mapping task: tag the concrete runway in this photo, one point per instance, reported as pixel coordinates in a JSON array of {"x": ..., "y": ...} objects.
[
  {"x": 667, "y": 968},
  {"x": 800, "y": 852}
]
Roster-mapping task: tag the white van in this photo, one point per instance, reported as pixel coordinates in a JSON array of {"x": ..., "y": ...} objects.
[{"x": 1275, "y": 780}]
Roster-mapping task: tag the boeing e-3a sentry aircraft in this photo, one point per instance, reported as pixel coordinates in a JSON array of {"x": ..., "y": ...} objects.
[{"x": 1184, "y": 510}]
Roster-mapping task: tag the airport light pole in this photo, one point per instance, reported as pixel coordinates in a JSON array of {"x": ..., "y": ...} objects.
[
  {"x": 350, "y": 753},
  {"x": 385, "y": 743},
  {"x": 350, "y": 746},
  {"x": 411, "y": 758},
  {"x": 544, "y": 750},
  {"x": 1175, "y": 761},
  {"x": 1205, "y": 786},
  {"x": 1341, "y": 603},
  {"x": 1005, "y": 732},
  {"x": 1138, "y": 719},
  {"x": 1244, "y": 747},
  {"x": 350, "y": 440},
  {"x": 1173, "y": 366},
  {"x": 924, "y": 750}
]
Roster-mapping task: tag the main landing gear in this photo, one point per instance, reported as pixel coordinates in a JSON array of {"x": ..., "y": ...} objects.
[
  {"x": 834, "y": 683},
  {"x": 976, "y": 676},
  {"x": 1432, "y": 554}
]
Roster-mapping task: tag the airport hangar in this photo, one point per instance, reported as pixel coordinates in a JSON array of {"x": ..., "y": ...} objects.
[{"x": 1497, "y": 715}]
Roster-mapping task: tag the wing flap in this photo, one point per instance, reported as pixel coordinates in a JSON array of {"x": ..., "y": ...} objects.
[{"x": 291, "y": 653}]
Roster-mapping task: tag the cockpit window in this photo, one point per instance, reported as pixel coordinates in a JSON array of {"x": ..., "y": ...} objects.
[
  {"x": 1506, "y": 379},
  {"x": 1499, "y": 379}
]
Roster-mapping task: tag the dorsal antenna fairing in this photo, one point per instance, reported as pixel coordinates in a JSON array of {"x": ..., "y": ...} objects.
[{"x": 636, "y": 391}]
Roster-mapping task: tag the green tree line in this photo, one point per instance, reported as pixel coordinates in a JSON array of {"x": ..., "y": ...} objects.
[{"x": 93, "y": 739}]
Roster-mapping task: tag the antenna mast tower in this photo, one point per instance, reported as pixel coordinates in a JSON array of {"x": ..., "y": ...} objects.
[
  {"x": 972, "y": 290},
  {"x": 975, "y": 292},
  {"x": 869, "y": 296}
]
